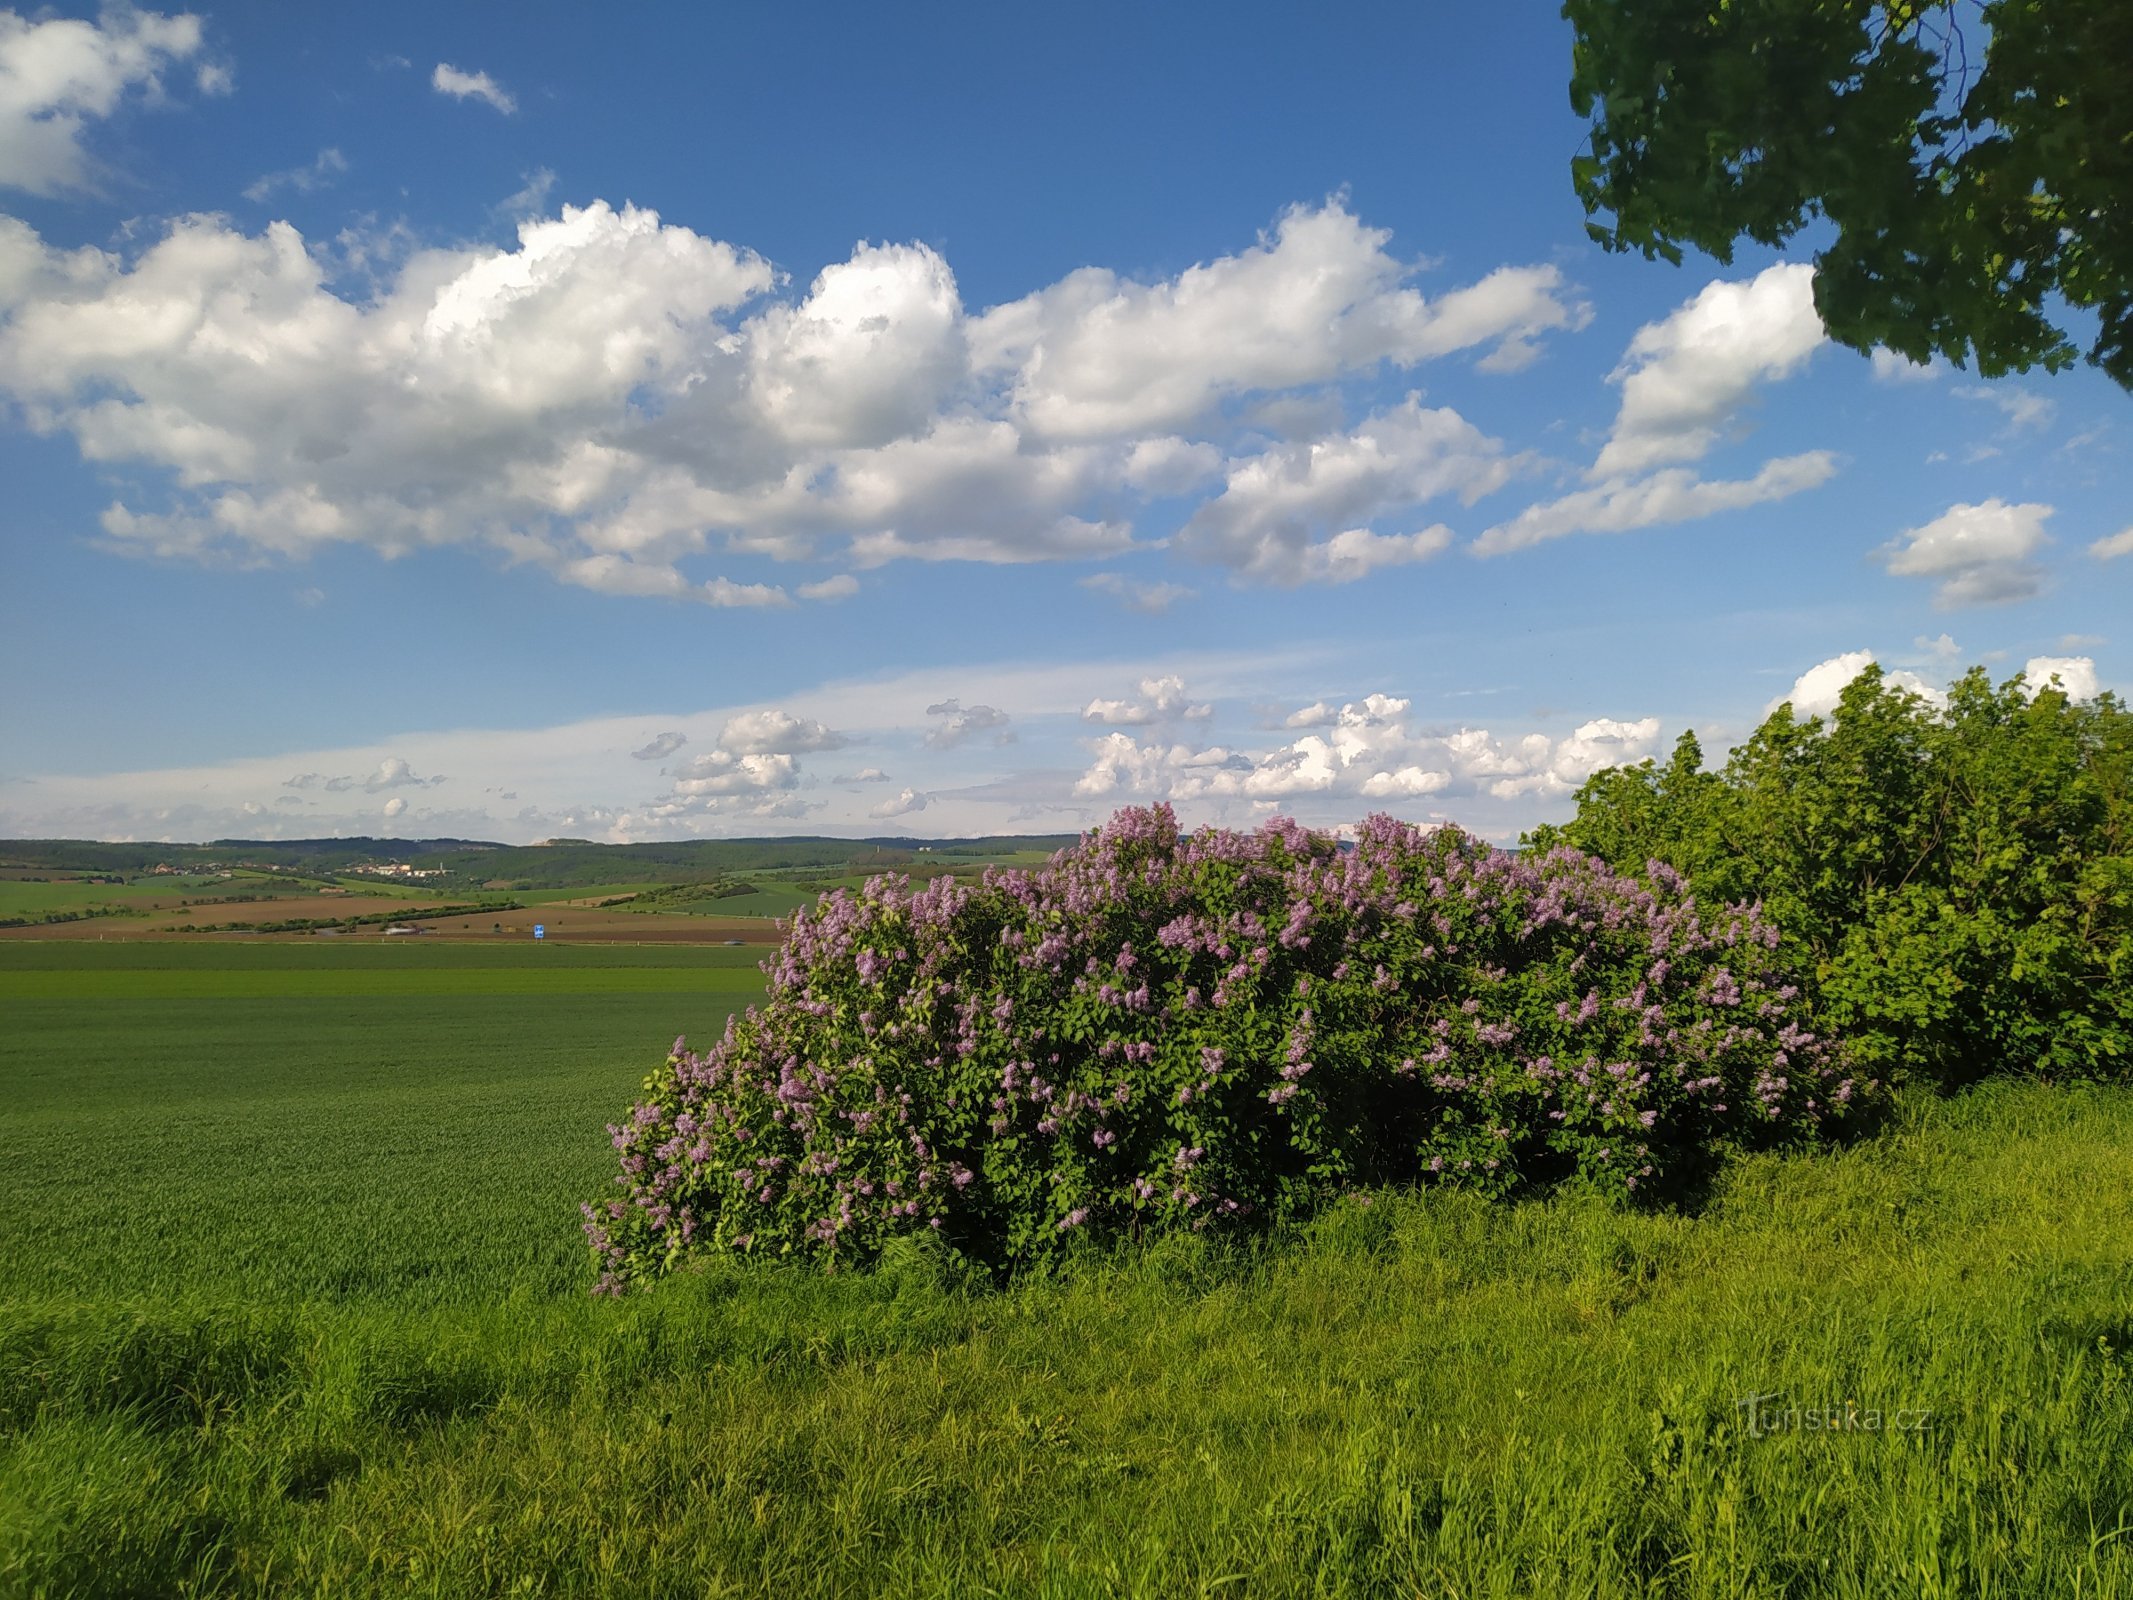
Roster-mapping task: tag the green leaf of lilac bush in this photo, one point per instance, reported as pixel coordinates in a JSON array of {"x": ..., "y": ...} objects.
[{"x": 1157, "y": 1033}]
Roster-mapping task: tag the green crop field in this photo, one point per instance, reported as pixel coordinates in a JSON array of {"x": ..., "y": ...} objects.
[{"x": 292, "y": 1301}]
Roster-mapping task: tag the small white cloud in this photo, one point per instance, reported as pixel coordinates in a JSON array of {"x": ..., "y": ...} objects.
[
  {"x": 312, "y": 596},
  {"x": 661, "y": 747},
  {"x": 965, "y": 721},
  {"x": 395, "y": 806},
  {"x": 2114, "y": 546},
  {"x": 2025, "y": 410},
  {"x": 2075, "y": 675},
  {"x": 1318, "y": 714},
  {"x": 1149, "y": 599},
  {"x": 906, "y": 804},
  {"x": 1943, "y": 649},
  {"x": 531, "y": 198},
  {"x": 863, "y": 775},
  {"x": 1980, "y": 553},
  {"x": 393, "y": 773},
  {"x": 448, "y": 79},
  {"x": 842, "y": 587}
]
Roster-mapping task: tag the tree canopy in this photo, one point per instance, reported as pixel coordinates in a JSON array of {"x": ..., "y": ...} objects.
[
  {"x": 1961, "y": 874},
  {"x": 1974, "y": 158}
]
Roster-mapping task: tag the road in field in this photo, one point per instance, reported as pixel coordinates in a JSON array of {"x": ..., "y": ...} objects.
[{"x": 408, "y": 1121}]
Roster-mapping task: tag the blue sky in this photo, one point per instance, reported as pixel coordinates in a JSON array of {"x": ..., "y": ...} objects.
[{"x": 652, "y": 421}]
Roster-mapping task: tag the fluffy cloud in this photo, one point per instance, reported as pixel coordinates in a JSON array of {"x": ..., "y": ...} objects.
[
  {"x": 721, "y": 772},
  {"x": 58, "y": 74},
  {"x": 963, "y": 722},
  {"x": 867, "y": 357},
  {"x": 615, "y": 400},
  {"x": 2076, "y": 675},
  {"x": 909, "y": 803},
  {"x": 2116, "y": 545},
  {"x": 1369, "y": 751},
  {"x": 661, "y": 746},
  {"x": 1815, "y": 692},
  {"x": 1273, "y": 507},
  {"x": 1979, "y": 553},
  {"x": 1675, "y": 494},
  {"x": 776, "y": 733},
  {"x": 1162, "y": 700},
  {"x": 394, "y": 807},
  {"x": 1685, "y": 378},
  {"x": 1095, "y": 356},
  {"x": 449, "y": 80}
]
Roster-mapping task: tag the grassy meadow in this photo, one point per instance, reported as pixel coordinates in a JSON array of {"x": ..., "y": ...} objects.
[{"x": 293, "y": 1301}]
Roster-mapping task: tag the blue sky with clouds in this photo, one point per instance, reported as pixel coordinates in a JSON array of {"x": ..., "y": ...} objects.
[{"x": 651, "y": 421}]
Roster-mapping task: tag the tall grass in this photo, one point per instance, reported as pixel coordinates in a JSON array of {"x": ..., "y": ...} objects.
[{"x": 1418, "y": 1395}]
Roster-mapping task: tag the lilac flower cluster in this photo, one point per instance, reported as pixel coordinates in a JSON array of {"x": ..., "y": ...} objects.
[{"x": 1158, "y": 1032}]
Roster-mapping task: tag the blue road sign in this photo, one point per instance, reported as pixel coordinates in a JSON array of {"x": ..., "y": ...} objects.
[{"x": 540, "y": 930}]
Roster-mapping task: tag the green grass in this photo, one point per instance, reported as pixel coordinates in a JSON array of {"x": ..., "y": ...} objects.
[
  {"x": 292, "y": 1302},
  {"x": 322, "y": 1120}
]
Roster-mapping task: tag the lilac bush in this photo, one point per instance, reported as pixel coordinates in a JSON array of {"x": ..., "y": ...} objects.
[{"x": 1155, "y": 1032}]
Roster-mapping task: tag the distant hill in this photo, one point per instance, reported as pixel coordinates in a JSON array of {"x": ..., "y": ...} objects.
[{"x": 557, "y": 863}]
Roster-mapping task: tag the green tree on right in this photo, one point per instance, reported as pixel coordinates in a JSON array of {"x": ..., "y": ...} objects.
[
  {"x": 1974, "y": 159},
  {"x": 1962, "y": 875}
]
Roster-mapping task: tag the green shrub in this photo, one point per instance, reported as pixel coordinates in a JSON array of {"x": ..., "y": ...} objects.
[{"x": 1962, "y": 876}]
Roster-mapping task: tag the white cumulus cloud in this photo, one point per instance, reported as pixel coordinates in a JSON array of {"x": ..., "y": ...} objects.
[
  {"x": 2076, "y": 675},
  {"x": 1815, "y": 692},
  {"x": 1980, "y": 554},
  {"x": 58, "y": 74},
  {"x": 1161, "y": 700},
  {"x": 777, "y": 733},
  {"x": 1097, "y": 356},
  {"x": 1367, "y": 751},
  {"x": 1277, "y": 515},
  {"x": 1685, "y": 378}
]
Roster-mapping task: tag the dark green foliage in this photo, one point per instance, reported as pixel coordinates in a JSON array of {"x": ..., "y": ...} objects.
[
  {"x": 1974, "y": 160},
  {"x": 1963, "y": 876}
]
